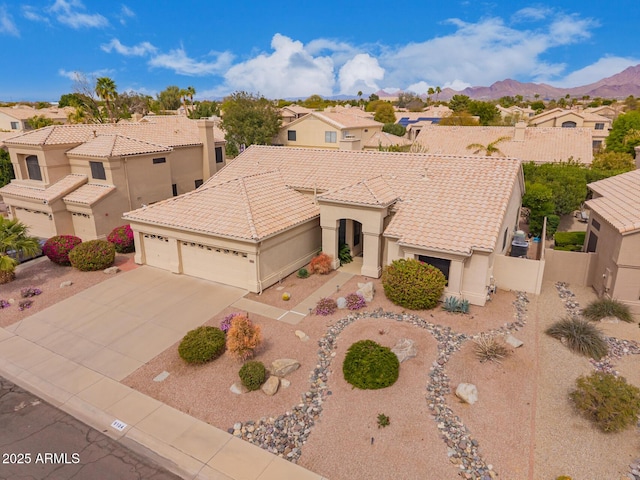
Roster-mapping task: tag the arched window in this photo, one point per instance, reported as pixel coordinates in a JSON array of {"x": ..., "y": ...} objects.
[
  {"x": 569, "y": 125},
  {"x": 33, "y": 168}
]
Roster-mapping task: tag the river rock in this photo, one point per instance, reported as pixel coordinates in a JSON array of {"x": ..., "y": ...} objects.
[
  {"x": 270, "y": 387},
  {"x": 68, "y": 283},
  {"x": 467, "y": 392},
  {"x": 111, "y": 270},
  {"x": 404, "y": 349},
  {"x": 341, "y": 302},
  {"x": 302, "y": 336},
  {"x": 284, "y": 366},
  {"x": 513, "y": 341},
  {"x": 366, "y": 290},
  {"x": 238, "y": 388}
]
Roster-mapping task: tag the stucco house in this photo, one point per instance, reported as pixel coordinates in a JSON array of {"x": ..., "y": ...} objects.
[
  {"x": 80, "y": 179},
  {"x": 559, "y": 117},
  {"x": 267, "y": 213},
  {"x": 383, "y": 140},
  {"x": 347, "y": 129},
  {"x": 538, "y": 145},
  {"x": 293, "y": 112},
  {"x": 15, "y": 119},
  {"x": 613, "y": 233}
]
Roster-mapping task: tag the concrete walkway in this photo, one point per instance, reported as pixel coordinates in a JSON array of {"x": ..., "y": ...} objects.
[{"x": 75, "y": 353}]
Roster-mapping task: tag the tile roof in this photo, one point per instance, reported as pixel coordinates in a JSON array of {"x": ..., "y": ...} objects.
[
  {"x": 449, "y": 203},
  {"x": 374, "y": 191},
  {"x": 540, "y": 145},
  {"x": 109, "y": 145},
  {"x": 169, "y": 131},
  {"x": 24, "y": 112},
  {"x": 619, "y": 203},
  {"x": 345, "y": 119},
  {"x": 251, "y": 208},
  {"x": 89, "y": 194},
  {"x": 62, "y": 187},
  {"x": 384, "y": 139},
  {"x": 297, "y": 109}
]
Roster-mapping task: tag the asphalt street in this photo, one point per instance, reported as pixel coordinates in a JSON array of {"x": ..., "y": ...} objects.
[{"x": 40, "y": 442}]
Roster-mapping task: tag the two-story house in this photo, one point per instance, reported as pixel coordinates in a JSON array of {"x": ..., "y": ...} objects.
[
  {"x": 80, "y": 179},
  {"x": 15, "y": 119},
  {"x": 293, "y": 112},
  {"x": 347, "y": 129},
  {"x": 559, "y": 117}
]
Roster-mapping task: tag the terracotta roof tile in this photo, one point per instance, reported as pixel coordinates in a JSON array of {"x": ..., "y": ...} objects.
[
  {"x": 384, "y": 139},
  {"x": 89, "y": 194},
  {"x": 116, "y": 146},
  {"x": 374, "y": 191},
  {"x": 62, "y": 187},
  {"x": 618, "y": 202}
]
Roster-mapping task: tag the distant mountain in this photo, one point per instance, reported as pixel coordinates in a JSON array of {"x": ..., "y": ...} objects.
[{"x": 620, "y": 85}]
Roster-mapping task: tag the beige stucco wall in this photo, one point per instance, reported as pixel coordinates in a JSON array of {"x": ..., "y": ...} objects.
[
  {"x": 6, "y": 120},
  {"x": 570, "y": 267},
  {"x": 520, "y": 274},
  {"x": 604, "y": 270},
  {"x": 310, "y": 132},
  {"x": 52, "y": 161}
]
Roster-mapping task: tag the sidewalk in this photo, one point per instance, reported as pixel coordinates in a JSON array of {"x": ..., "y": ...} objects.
[{"x": 53, "y": 355}]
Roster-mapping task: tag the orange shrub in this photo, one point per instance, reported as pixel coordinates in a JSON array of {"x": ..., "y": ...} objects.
[
  {"x": 321, "y": 264},
  {"x": 243, "y": 337}
]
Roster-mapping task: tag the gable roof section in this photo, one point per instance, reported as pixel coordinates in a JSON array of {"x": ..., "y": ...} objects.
[
  {"x": 619, "y": 203},
  {"x": 88, "y": 194},
  {"x": 251, "y": 208},
  {"x": 105, "y": 146},
  {"x": 540, "y": 145},
  {"x": 384, "y": 139},
  {"x": 371, "y": 192},
  {"x": 341, "y": 121},
  {"x": 62, "y": 187},
  {"x": 448, "y": 203}
]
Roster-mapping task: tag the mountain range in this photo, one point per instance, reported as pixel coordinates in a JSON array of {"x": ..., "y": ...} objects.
[{"x": 619, "y": 86}]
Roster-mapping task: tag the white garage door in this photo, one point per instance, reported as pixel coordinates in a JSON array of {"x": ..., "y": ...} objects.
[
  {"x": 215, "y": 264},
  {"x": 157, "y": 250}
]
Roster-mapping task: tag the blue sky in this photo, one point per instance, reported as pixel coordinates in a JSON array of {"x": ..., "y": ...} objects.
[{"x": 296, "y": 49}]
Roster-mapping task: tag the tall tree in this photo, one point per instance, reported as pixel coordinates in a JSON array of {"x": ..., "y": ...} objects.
[
  {"x": 170, "y": 98},
  {"x": 622, "y": 137},
  {"x": 488, "y": 149},
  {"x": 107, "y": 92},
  {"x": 6, "y": 168},
  {"x": 385, "y": 113},
  {"x": 459, "y": 103},
  {"x": 39, "y": 121},
  {"x": 485, "y": 111},
  {"x": 438, "y": 92},
  {"x": 247, "y": 120}
]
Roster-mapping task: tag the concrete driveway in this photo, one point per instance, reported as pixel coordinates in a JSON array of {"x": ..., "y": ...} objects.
[{"x": 115, "y": 327}]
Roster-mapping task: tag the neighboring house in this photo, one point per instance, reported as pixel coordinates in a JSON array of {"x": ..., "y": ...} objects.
[
  {"x": 383, "y": 140},
  {"x": 414, "y": 122},
  {"x": 349, "y": 129},
  {"x": 613, "y": 234},
  {"x": 559, "y": 117},
  {"x": 267, "y": 213},
  {"x": 80, "y": 179},
  {"x": 539, "y": 145},
  {"x": 15, "y": 118},
  {"x": 516, "y": 113},
  {"x": 608, "y": 111},
  {"x": 293, "y": 112}
]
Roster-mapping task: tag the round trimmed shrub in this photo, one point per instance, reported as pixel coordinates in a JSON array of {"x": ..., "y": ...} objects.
[
  {"x": 202, "y": 344},
  {"x": 413, "y": 284},
  {"x": 122, "y": 238},
  {"x": 370, "y": 366},
  {"x": 57, "y": 248},
  {"x": 93, "y": 255},
  {"x": 253, "y": 374}
]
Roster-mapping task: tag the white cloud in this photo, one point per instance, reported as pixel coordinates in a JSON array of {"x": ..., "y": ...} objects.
[
  {"x": 419, "y": 88},
  {"x": 289, "y": 71},
  {"x": 178, "y": 61},
  {"x": 30, "y": 13},
  {"x": 126, "y": 13},
  {"x": 137, "y": 50},
  {"x": 7, "y": 25},
  {"x": 604, "y": 67},
  {"x": 76, "y": 75},
  {"x": 362, "y": 72},
  {"x": 531, "y": 13},
  {"x": 69, "y": 12}
]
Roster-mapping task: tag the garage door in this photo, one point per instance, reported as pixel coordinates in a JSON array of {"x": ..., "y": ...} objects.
[
  {"x": 157, "y": 250},
  {"x": 215, "y": 264}
]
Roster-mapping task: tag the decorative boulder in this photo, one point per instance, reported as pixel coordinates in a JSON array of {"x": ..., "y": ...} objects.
[
  {"x": 513, "y": 341},
  {"x": 302, "y": 336},
  {"x": 404, "y": 349},
  {"x": 67, "y": 283},
  {"x": 342, "y": 302},
  {"x": 366, "y": 290},
  {"x": 270, "y": 387},
  {"x": 238, "y": 388},
  {"x": 284, "y": 366},
  {"x": 111, "y": 270},
  {"x": 467, "y": 392}
]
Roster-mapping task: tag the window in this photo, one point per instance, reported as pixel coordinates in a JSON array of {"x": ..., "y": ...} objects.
[
  {"x": 440, "y": 263},
  {"x": 97, "y": 170},
  {"x": 14, "y": 125},
  {"x": 174, "y": 189},
  {"x": 592, "y": 244},
  {"x": 357, "y": 233},
  {"x": 504, "y": 239},
  {"x": 219, "y": 157},
  {"x": 595, "y": 224},
  {"x": 569, "y": 125},
  {"x": 330, "y": 137},
  {"x": 33, "y": 168},
  {"x": 159, "y": 160},
  {"x": 198, "y": 183},
  {"x": 599, "y": 126},
  {"x": 596, "y": 145},
  {"x": 291, "y": 135}
]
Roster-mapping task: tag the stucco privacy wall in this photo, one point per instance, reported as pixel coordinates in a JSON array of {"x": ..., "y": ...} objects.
[{"x": 570, "y": 267}]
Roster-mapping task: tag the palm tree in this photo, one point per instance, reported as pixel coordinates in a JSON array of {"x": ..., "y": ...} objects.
[
  {"x": 438, "y": 92},
  {"x": 489, "y": 149},
  {"x": 430, "y": 92},
  {"x": 184, "y": 93},
  {"x": 14, "y": 238},
  {"x": 106, "y": 91}
]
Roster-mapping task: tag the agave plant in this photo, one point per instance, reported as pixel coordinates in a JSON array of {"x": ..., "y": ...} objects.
[{"x": 14, "y": 241}]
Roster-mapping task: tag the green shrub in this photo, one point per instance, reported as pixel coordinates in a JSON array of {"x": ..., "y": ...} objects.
[
  {"x": 253, "y": 374},
  {"x": 606, "y": 307},
  {"x": 303, "y": 273},
  {"x": 93, "y": 255},
  {"x": 344, "y": 254},
  {"x": 580, "y": 336},
  {"x": 370, "y": 366},
  {"x": 562, "y": 239},
  {"x": 202, "y": 344},
  {"x": 568, "y": 248},
  {"x": 553, "y": 221},
  {"x": 383, "y": 420},
  {"x": 454, "y": 305},
  {"x": 607, "y": 400},
  {"x": 413, "y": 284}
]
